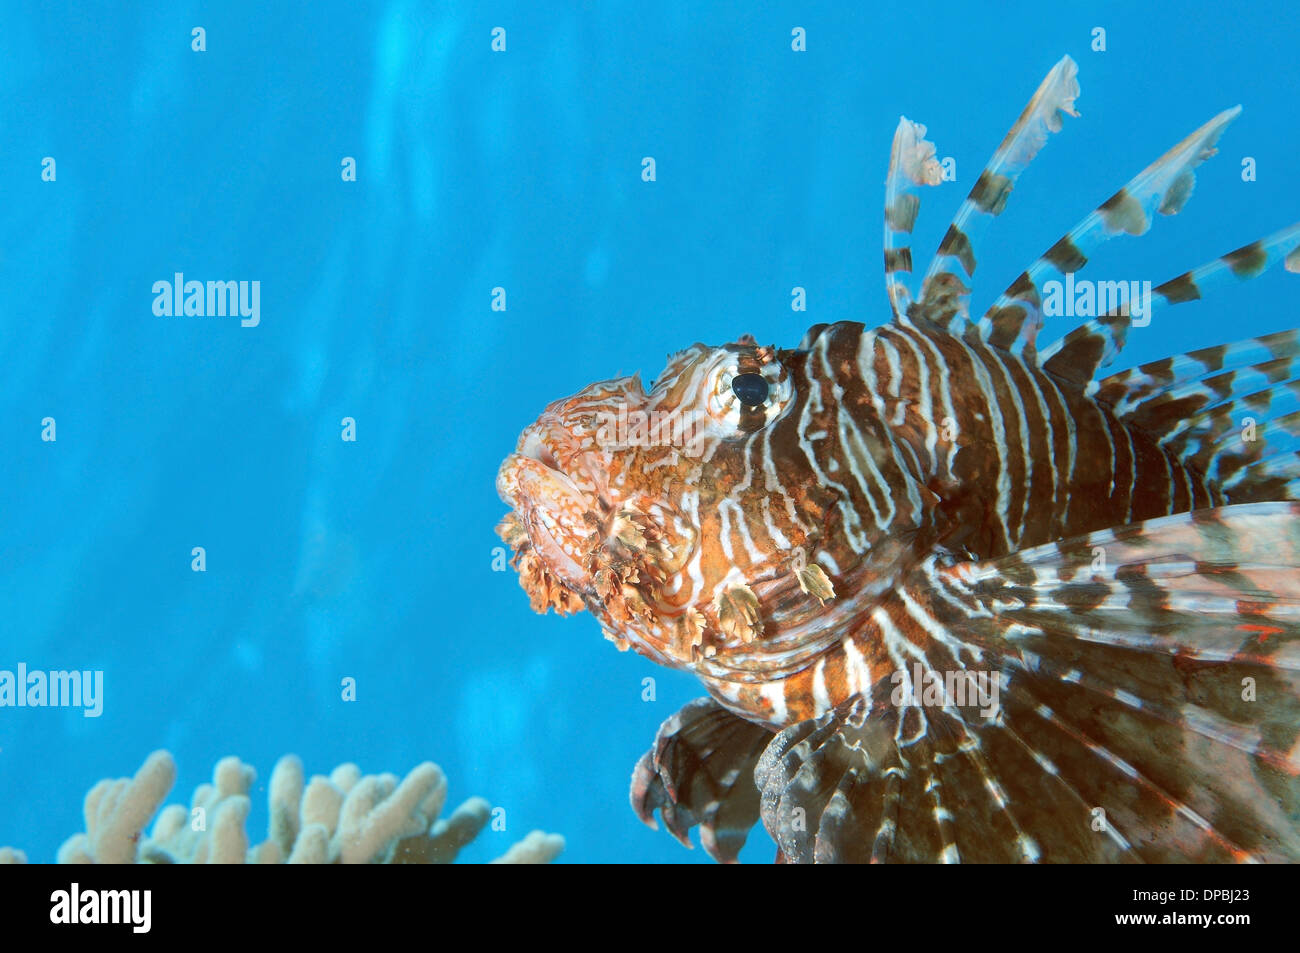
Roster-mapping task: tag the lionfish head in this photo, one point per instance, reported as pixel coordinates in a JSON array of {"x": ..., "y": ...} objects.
[{"x": 685, "y": 517}]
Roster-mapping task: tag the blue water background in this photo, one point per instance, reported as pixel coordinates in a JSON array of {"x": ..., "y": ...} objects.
[{"x": 522, "y": 169}]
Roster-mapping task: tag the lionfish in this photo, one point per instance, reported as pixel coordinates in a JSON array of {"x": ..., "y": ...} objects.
[{"x": 864, "y": 523}]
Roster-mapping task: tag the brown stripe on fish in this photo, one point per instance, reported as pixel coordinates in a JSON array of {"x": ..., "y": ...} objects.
[
  {"x": 1041, "y": 485},
  {"x": 956, "y": 243},
  {"x": 990, "y": 192},
  {"x": 1247, "y": 261},
  {"x": 1091, "y": 497},
  {"x": 1064, "y": 449},
  {"x": 1003, "y": 401},
  {"x": 1180, "y": 289},
  {"x": 1065, "y": 255},
  {"x": 898, "y": 259},
  {"x": 981, "y": 458},
  {"x": 858, "y": 439},
  {"x": 1123, "y": 213},
  {"x": 901, "y": 215},
  {"x": 1008, "y": 321},
  {"x": 919, "y": 384}
]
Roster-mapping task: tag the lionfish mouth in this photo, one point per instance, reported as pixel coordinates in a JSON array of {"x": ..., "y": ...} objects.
[
  {"x": 579, "y": 542},
  {"x": 549, "y": 523}
]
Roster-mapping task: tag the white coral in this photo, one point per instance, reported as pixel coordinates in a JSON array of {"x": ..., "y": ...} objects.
[{"x": 347, "y": 818}]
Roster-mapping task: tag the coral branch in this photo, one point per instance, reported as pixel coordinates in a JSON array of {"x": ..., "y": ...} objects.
[{"x": 347, "y": 818}]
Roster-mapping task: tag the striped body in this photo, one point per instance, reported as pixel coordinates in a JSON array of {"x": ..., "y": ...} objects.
[
  {"x": 840, "y": 538},
  {"x": 1019, "y": 458}
]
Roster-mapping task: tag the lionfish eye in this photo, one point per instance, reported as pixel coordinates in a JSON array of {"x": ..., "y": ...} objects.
[{"x": 750, "y": 389}]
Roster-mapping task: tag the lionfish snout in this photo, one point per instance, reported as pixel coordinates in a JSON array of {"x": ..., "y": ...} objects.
[
  {"x": 558, "y": 485},
  {"x": 568, "y": 446}
]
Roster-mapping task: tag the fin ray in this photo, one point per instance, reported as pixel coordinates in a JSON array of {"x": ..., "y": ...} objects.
[
  {"x": 912, "y": 165},
  {"x": 944, "y": 290},
  {"x": 1078, "y": 355},
  {"x": 1122, "y": 732},
  {"x": 1163, "y": 187},
  {"x": 700, "y": 772}
]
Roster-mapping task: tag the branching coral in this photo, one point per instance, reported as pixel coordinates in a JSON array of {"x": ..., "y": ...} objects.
[{"x": 347, "y": 818}]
